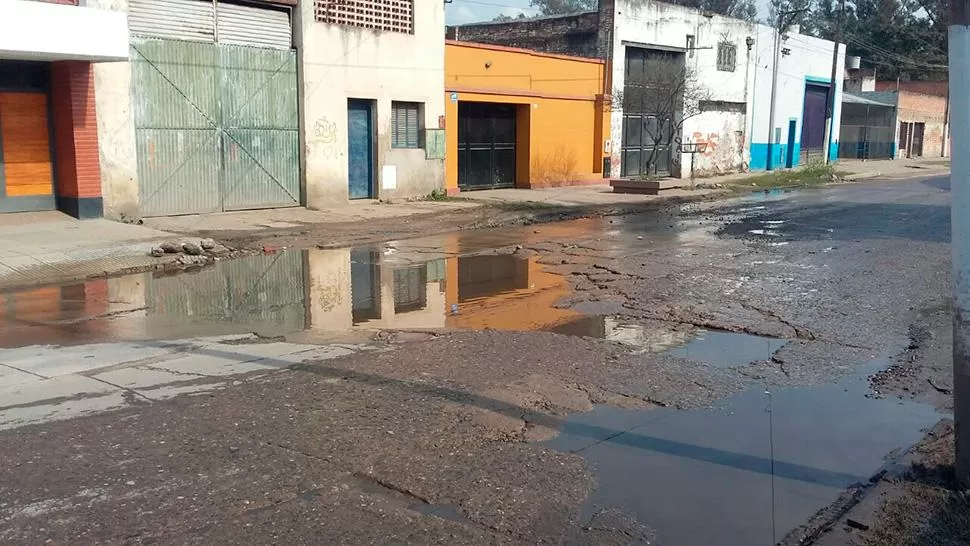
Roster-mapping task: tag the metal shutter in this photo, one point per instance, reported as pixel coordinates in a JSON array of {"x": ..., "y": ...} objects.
[
  {"x": 174, "y": 19},
  {"x": 407, "y": 127},
  {"x": 248, "y": 25}
]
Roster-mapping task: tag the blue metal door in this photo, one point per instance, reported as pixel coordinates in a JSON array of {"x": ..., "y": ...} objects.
[
  {"x": 790, "y": 159},
  {"x": 360, "y": 148}
]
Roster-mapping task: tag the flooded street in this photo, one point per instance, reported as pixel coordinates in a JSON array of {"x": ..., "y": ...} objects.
[{"x": 703, "y": 375}]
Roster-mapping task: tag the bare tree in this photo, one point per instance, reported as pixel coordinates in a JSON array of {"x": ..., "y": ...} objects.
[{"x": 660, "y": 99}]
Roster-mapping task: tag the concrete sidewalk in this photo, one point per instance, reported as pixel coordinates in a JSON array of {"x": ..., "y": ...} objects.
[
  {"x": 275, "y": 219},
  {"x": 895, "y": 168},
  {"x": 41, "y": 247},
  {"x": 39, "y": 384}
]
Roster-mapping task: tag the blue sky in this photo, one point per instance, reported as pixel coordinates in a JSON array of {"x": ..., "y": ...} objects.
[
  {"x": 459, "y": 12},
  {"x": 467, "y": 11}
]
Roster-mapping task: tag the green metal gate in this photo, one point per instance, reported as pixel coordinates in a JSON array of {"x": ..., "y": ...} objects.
[{"x": 216, "y": 126}]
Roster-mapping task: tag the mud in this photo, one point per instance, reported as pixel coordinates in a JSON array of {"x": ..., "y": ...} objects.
[{"x": 646, "y": 340}]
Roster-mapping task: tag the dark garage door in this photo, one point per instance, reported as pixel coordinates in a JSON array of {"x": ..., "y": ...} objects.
[
  {"x": 813, "y": 146},
  {"x": 486, "y": 146}
]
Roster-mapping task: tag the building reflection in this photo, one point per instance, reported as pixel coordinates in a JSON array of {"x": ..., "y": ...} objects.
[
  {"x": 356, "y": 289},
  {"x": 317, "y": 290}
]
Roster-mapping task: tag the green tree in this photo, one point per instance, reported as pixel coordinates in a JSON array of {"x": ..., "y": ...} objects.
[
  {"x": 560, "y": 7},
  {"x": 903, "y": 39},
  {"x": 503, "y": 18}
]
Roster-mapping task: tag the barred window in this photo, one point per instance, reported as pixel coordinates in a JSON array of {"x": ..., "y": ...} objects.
[
  {"x": 727, "y": 55},
  {"x": 389, "y": 15},
  {"x": 405, "y": 124}
]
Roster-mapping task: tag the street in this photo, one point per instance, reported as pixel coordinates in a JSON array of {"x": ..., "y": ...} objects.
[{"x": 711, "y": 373}]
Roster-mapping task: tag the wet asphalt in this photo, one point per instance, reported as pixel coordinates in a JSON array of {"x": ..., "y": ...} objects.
[{"x": 699, "y": 375}]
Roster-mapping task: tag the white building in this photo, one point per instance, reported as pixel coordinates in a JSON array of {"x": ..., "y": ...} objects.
[
  {"x": 372, "y": 87},
  {"x": 804, "y": 81},
  {"x": 732, "y": 61}
]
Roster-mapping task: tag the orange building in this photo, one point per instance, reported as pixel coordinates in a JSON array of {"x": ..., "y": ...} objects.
[{"x": 522, "y": 119}]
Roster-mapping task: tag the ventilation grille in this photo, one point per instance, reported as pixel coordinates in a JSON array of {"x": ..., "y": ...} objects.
[{"x": 387, "y": 15}]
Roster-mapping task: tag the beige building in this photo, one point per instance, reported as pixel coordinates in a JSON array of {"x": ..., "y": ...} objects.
[
  {"x": 371, "y": 84},
  {"x": 230, "y": 105}
]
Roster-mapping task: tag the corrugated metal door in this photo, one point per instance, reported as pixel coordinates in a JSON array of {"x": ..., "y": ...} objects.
[
  {"x": 175, "y": 92},
  {"x": 176, "y": 19},
  {"x": 261, "y": 144},
  {"x": 216, "y": 123},
  {"x": 249, "y": 25}
]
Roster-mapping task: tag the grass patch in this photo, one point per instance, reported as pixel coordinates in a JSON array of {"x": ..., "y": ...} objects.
[
  {"x": 812, "y": 175},
  {"x": 930, "y": 512},
  {"x": 442, "y": 196}
]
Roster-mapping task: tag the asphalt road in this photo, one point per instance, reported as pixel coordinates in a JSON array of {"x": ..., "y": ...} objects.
[{"x": 714, "y": 373}]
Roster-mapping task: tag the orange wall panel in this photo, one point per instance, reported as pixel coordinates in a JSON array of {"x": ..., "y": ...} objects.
[
  {"x": 561, "y": 120},
  {"x": 26, "y": 143}
]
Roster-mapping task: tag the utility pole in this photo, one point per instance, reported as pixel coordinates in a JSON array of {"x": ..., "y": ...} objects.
[
  {"x": 781, "y": 26},
  {"x": 830, "y": 107},
  {"x": 770, "y": 163},
  {"x": 959, "y": 56}
]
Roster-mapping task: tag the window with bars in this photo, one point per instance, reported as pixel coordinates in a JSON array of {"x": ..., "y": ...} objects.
[
  {"x": 727, "y": 54},
  {"x": 389, "y": 15},
  {"x": 405, "y": 124}
]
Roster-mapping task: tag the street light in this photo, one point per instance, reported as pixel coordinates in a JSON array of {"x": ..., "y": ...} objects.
[{"x": 686, "y": 146}]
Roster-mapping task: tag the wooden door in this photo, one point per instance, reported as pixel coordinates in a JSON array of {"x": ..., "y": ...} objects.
[{"x": 25, "y": 134}]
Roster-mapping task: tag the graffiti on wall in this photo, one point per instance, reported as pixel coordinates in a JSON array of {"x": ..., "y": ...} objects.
[
  {"x": 322, "y": 143},
  {"x": 710, "y": 139}
]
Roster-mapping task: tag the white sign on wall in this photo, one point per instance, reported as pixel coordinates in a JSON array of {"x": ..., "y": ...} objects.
[{"x": 389, "y": 177}]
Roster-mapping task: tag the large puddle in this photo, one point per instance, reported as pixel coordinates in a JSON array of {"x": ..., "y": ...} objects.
[
  {"x": 447, "y": 281},
  {"x": 748, "y": 471},
  {"x": 325, "y": 291}
]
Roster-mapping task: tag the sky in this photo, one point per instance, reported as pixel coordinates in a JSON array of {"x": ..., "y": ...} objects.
[{"x": 459, "y": 12}]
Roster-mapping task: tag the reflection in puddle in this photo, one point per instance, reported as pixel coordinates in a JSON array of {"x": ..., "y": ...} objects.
[
  {"x": 727, "y": 349},
  {"x": 316, "y": 290},
  {"x": 628, "y": 333},
  {"x": 728, "y": 470}
]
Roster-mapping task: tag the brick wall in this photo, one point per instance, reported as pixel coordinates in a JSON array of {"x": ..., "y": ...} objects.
[
  {"x": 939, "y": 89},
  {"x": 567, "y": 35},
  {"x": 78, "y": 164},
  {"x": 927, "y": 109}
]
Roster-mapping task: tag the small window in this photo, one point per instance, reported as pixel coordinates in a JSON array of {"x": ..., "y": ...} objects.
[
  {"x": 406, "y": 125},
  {"x": 726, "y": 56},
  {"x": 691, "y": 45}
]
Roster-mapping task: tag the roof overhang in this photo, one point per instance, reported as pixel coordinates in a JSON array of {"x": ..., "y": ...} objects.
[{"x": 41, "y": 31}]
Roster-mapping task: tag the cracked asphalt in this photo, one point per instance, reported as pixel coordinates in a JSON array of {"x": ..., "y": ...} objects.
[{"x": 493, "y": 420}]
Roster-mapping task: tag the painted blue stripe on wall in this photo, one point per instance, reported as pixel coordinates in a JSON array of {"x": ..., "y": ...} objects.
[
  {"x": 816, "y": 79},
  {"x": 759, "y": 155}
]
